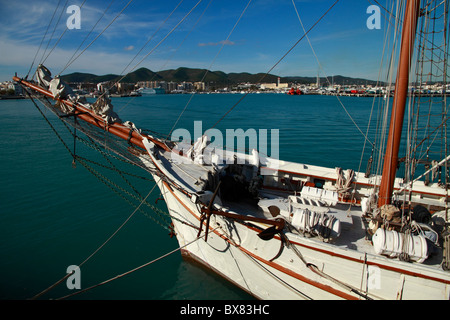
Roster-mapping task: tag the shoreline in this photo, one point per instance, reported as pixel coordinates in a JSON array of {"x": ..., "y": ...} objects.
[
  {"x": 357, "y": 95},
  {"x": 12, "y": 97}
]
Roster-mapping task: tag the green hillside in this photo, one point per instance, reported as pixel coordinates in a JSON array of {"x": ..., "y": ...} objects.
[{"x": 196, "y": 75}]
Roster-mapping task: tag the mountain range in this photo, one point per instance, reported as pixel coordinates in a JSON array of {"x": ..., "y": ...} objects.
[{"x": 196, "y": 75}]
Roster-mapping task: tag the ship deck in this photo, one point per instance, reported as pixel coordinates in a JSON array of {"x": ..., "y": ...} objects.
[{"x": 353, "y": 235}]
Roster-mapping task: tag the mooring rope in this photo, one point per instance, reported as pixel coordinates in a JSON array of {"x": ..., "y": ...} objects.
[
  {"x": 132, "y": 270},
  {"x": 115, "y": 188},
  {"x": 97, "y": 250},
  {"x": 321, "y": 273}
]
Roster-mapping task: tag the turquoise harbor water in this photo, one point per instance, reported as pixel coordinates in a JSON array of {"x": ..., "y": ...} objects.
[{"x": 53, "y": 215}]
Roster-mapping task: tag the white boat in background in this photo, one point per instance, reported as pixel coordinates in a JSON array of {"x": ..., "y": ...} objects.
[
  {"x": 151, "y": 91},
  {"x": 282, "y": 230}
]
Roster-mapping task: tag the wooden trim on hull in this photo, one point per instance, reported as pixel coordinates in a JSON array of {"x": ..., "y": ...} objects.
[
  {"x": 353, "y": 183},
  {"x": 302, "y": 278},
  {"x": 187, "y": 255},
  {"x": 269, "y": 263},
  {"x": 381, "y": 266}
]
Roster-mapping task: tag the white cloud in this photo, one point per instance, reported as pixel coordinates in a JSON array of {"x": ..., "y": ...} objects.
[
  {"x": 223, "y": 42},
  {"x": 19, "y": 56},
  {"x": 24, "y": 25}
]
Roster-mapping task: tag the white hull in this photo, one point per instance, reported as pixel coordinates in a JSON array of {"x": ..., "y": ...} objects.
[
  {"x": 243, "y": 258},
  {"x": 345, "y": 269}
]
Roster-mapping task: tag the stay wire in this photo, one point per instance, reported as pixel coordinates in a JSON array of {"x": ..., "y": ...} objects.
[
  {"x": 144, "y": 200},
  {"x": 212, "y": 63},
  {"x": 95, "y": 39},
  {"x": 329, "y": 82},
  {"x": 72, "y": 59},
  {"x": 159, "y": 43},
  {"x": 276, "y": 64},
  {"x": 169, "y": 59},
  {"x": 151, "y": 38},
  {"x": 43, "y": 38},
  {"x": 59, "y": 39},
  {"x": 132, "y": 270},
  {"x": 96, "y": 251}
]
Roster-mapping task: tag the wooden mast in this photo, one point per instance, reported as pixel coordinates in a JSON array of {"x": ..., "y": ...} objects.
[{"x": 398, "y": 107}]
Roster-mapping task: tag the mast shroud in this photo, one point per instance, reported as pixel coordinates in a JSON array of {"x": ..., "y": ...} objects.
[{"x": 399, "y": 103}]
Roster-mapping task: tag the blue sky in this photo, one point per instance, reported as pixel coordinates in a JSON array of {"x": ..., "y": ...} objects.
[{"x": 343, "y": 43}]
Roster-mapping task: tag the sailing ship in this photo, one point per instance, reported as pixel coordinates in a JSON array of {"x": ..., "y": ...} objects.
[{"x": 283, "y": 230}]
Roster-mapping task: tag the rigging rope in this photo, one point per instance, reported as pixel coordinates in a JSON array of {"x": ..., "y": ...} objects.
[
  {"x": 337, "y": 97},
  {"x": 383, "y": 111},
  {"x": 58, "y": 282},
  {"x": 97, "y": 250},
  {"x": 72, "y": 59},
  {"x": 132, "y": 270},
  {"x": 113, "y": 186},
  {"x": 54, "y": 29},
  {"x": 43, "y": 38},
  {"x": 170, "y": 58},
  {"x": 121, "y": 226},
  {"x": 151, "y": 38},
  {"x": 316, "y": 270},
  {"x": 117, "y": 16},
  {"x": 210, "y": 66},
  {"x": 389, "y": 12},
  {"x": 432, "y": 62},
  {"x": 273, "y": 67},
  {"x": 159, "y": 43},
  {"x": 164, "y": 217},
  {"x": 56, "y": 43}
]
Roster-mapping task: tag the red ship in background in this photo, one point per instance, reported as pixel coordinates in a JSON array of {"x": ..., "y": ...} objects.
[{"x": 294, "y": 92}]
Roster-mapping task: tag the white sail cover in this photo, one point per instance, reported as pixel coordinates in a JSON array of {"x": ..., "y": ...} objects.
[
  {"x": 60, "y": 89},
  {"x": 104, "y": 108},
  {"x": 43, "y": 76}
]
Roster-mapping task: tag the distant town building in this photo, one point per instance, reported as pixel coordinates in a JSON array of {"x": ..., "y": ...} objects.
[
  {"x": 11, "y": 86},
  {"x": 273, "y": 86},
  {"x": 199, "y": 86}
]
